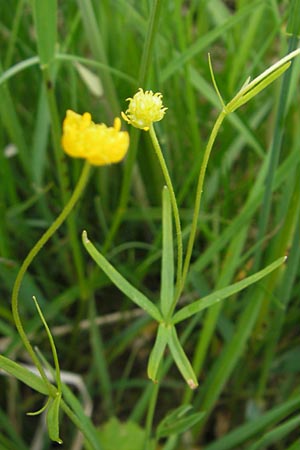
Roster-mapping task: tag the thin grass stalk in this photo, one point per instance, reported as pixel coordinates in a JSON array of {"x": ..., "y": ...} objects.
[
  {"x": 31, "y": 255},
  {"x": 146, "y": 60},
  {"x": 94, "y": 36},
  {"x": 14, "y": 32},
  {"x": 292, "y": 225},
  {"x": 233, "y": 350},
  {"x": 13, "y": 125},
  {"x": 275, "y": 154},
  {"x": 100, "y": 359},
  {"x": 91, "y": 439},
  {"x": 198, "y": 198},
  {"x": 210, "y": 319},
  {"x": 61, "y": 165},
  {"x": 150, "y": 415},
  {"x": 168, "y": 181}
]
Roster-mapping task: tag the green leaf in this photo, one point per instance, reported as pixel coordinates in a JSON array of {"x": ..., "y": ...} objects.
[
  {"x": 22, "y": 374},
  {"x": 249, "y": 94},
  {"x": 281, "y": 431},
  {"x": 221, "y": 294},
  {"x": 123, "y": 435},
  {"x": 157, "y": 351},
  {"x": 167, "y": 270},
  {"x": 178, "y": 421},
  {"x": 52, "y": 344},
  {"x": 92, "y": 81},
  {"x": 259, "y": 83},
  {"x": 53, "y": 419},
  {"x": 45, "y": 17},
  {"x": 131, "y": 292},
  {"x": 181, "y": 359}
]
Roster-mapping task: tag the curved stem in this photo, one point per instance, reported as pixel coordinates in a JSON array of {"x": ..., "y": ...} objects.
[
  {"x": 198, "y": 198},
  {"x": 174, "y": 205},
  {"x": 32, "y": 254}
]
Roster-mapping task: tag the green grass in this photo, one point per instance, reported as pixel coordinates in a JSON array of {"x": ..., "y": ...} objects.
[{"x": 244, "y": 350}]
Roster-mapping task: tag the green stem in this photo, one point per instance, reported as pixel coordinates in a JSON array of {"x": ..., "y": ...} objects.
[
  {"x": 150, "y": 415},
  {"x": 32, "y": 254},
  {"x": 198, "y": 198},
  {"x": 174, "y": 205},
  {"x": 275, "y": 156},
  {"x": 78, "y": 423},
  {"x": 63, "y": 179},
  {"x": 149, "y": 42},
  {"x": 135, "y": 134},
  {"x": 125, "y": 189}
]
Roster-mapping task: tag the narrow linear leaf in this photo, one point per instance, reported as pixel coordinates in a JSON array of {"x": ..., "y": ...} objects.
[
  {"x": 24, "y": 375},
  {"x": 277, "y": 434},
  {"x": 157, "y": 352},
  {"x": 181, "y": 359},
  {"x": 130, "y": 291},
  {"x": 19, "y": 67},
  {"x": 259, "y": 87},
  {"x": 167, "y": 270},
  {"x": 53, "y": 419},
  {"x": 91, "y": 80},
  {"x": 257, "y": 426},
  {"x": 52, "y": 344},
  {"x": 83, "y": 422},
  {"x": 221, "y": 294},
  {"x": 45, "y": 18},
  {"x": 178, "y": 421}
]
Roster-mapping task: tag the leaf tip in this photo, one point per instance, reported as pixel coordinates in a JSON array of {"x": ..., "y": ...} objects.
[
  {"x": 192, "y": 384},
  {"x": 85, "y": 236}
]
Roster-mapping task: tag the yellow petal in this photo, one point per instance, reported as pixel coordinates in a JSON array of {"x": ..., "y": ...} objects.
[{"x": 97, "y": 143}]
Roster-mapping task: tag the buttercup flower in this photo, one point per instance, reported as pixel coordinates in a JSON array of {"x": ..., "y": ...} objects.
[
  {"x": 97, "y": 143},
  {"x": 144, "y": 109}
]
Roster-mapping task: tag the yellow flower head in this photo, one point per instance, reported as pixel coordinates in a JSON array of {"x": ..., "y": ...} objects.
[
  {"x": 99, "y": 144},
  {"x": 144, "y": 109}
]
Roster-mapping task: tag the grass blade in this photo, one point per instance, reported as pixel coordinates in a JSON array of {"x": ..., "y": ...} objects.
[
  {"x": 167, "y": 270},
  {"x": 45, "y": 16},
  {"x": 131, "y": 292},
  {"x": 221, "y": 294}
]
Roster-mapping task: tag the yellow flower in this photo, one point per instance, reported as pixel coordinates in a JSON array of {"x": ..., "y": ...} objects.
[
  {"x": 99, "y": 144},
  {"x": 144, "y": 109}
]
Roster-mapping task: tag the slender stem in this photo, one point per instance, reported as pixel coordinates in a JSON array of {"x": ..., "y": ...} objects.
[
  {"x": 275, "y": 156},
  {"x": 125, "y": 189},
  {"x": 78, "y": 423},
  {"x": 149, "y": 41},
  {"x": 135, "y": 134},
  {"x": 32, "y": 254},
  {"x": 150, "y": 415},
  {"x": 198, "y": 198},
  {"x": 61, "y": 166},
  {"x": 173, "y": 202}
]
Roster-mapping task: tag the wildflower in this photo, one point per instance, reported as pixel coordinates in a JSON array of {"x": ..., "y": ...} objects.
[
  {"x": 97, "y": 143},
  {"x": 144, "y": 109}
]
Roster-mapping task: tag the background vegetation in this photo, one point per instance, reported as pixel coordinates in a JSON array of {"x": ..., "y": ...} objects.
[{"x": 245, "y": 350}]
